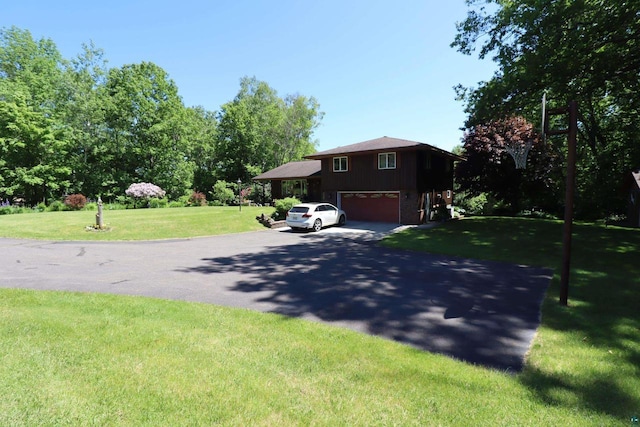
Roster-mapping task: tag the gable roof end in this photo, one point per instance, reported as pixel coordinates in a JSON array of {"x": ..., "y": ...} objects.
[{"x": 635, "y": 175}]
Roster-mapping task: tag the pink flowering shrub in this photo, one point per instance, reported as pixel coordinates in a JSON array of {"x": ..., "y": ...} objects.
[
  {"x": 144, "y": 190},
  {"x": 245, "y": 193}
]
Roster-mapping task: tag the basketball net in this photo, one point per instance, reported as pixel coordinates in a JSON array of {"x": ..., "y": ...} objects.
[{"x": 519, "y": 151}]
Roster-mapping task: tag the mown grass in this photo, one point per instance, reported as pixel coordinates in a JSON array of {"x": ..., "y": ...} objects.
[
  {"x": 82, "y": 359},
  {"x": 74, "y": 359},
  {"x": 586, "y": 357},
  {"x": 133, "y": 224}
]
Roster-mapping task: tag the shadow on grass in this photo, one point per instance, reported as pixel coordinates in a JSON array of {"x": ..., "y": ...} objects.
[
  {"x": 480, "y": 312},
  {"x": 598, "y": 394},
  {"x": 603, "y": 316},
  {"x": 596, "y": 365},
  {"x": 593, "y": 361}
]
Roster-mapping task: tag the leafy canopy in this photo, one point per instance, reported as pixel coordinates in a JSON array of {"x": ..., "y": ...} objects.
[
  {"x": 78, "y": 126},
  {"x": 588, "y": 51},
  {"x": 490, "y": 169},
  {"x": 258, "y": 130}
]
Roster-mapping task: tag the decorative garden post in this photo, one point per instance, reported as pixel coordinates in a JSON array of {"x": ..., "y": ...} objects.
[{"x": 99, "y": 222}]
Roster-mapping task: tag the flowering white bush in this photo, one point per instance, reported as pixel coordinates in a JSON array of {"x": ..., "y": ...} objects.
[{"x": 145, "y": 190}]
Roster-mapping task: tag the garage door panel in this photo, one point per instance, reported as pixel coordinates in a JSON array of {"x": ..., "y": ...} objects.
[{"x": 379, "y": 207}]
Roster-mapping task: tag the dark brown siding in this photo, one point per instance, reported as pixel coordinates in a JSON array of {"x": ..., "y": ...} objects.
[
  {"x": 314, "y": 190},
  {"x": 364, "y": 175},
  {"x": 435, "y": 172},
  {"x": 276, "y": 189},
  {"x": 418, "y": 175}
]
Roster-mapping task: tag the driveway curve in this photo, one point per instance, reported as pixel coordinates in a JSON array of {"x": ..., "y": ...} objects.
[{"x": 480, "y": 312}]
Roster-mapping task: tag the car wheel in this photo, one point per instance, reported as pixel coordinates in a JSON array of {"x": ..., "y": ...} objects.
[
  {"x": 317, "y": 225},
  {"x": 342, "y": 221}
]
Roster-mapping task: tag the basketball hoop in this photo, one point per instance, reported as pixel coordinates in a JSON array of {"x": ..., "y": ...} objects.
[{"x": 519, "y": 151}]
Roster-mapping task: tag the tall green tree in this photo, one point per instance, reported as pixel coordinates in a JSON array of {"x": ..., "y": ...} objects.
[
  {"x": 300, "y": 117},
  {"x": 84, "y": 117},
  {"x": 247, "y": 130},
  {"x": 33, "y": 144},
  {"x": 258, "y": 130},
  {"x": 144, "y": 116},
  {"x": 201, "y": 130},
  {"x": 32, "y": 151},
  {"x": 33, "y": 67},
  {"x": 585, "y": 50}
]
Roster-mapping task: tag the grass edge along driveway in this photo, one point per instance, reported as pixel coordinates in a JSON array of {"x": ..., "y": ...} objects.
[
  {"x": 80, "y": 359},
  {"x": 586, "y": 355},
  {"x": 134, "y": 224}
]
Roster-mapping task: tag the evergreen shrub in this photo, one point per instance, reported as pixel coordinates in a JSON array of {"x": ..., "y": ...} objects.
[
  {"x": 56, "y": 206},
  {"x": 155, "y": 202},
  {"x": 282, "y": 207}
]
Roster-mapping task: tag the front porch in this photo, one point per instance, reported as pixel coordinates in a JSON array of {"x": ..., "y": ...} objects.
[{"x": 301, "y": 180}]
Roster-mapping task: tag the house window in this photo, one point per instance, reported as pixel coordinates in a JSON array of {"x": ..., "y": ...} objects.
[
  {"x": 387, "y": 161},
  {"x": 340, "y": 164},
  {"x": 295, "y": 188}
]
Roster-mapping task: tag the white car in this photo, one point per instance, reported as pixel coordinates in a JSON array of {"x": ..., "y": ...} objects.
[{"x": 315, "y": 216}]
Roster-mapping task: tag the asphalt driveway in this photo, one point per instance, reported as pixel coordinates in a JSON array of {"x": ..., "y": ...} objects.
[{"x": 479, "y": 312}]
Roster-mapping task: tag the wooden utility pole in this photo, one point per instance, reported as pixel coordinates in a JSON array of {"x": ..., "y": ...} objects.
[
  {"x": 568, "y": 202},
  {"x": 572, "y": 133}
]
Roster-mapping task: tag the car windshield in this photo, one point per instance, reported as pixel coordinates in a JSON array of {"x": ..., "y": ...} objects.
[{"x": 299, "y": 209}]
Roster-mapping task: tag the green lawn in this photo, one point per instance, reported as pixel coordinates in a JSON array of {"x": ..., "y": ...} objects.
[
  {"x": 134, "y": 224},
  {"x": 586, "y": 357},
  {"x": 78, "y": 359}
]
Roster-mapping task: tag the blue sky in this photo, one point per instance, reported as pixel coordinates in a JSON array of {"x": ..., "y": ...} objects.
[{"x": 376, "y": 67}]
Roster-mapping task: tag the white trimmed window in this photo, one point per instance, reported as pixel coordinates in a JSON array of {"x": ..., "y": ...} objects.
[
  {"x": 387, "y": 161},
  {"x": 340, "y": 164}
]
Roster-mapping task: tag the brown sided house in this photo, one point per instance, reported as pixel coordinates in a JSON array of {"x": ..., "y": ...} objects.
[
  {"x": 632, "y": 187},
  {"x": 384, "y": 179}
]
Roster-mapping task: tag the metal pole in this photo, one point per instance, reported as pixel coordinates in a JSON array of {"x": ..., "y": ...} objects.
[
  {"x": 239, "y": 194},
  {"x": 568, "y": 200}
]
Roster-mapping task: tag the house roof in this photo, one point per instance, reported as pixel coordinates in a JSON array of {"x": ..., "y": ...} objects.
[
  {"x": 381, "y": 144},
  {"x": 292, "y": 170},
  {"x": 631, "y": 181},
  {"x": 635, "y": 174}
]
